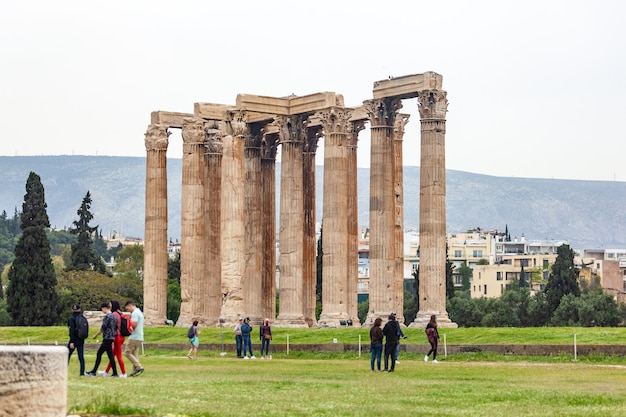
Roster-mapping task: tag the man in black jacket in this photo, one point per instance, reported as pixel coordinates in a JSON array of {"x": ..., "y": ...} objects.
[
  {"x": 76, "y": 343},
  {"x": 390, "y": 331}
]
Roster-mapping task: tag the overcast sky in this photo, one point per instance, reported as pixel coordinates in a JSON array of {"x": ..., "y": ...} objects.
[{"x": 535, "y": 88}]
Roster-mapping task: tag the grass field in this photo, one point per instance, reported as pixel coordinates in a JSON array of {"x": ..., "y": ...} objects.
[
  {"x": 226, "y": 386},
  {"x": 341, "y": 384}
]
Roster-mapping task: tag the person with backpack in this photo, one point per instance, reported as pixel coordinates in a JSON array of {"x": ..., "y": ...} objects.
[
  {"x": 390, "y": 331},
  {"x": 192, "y": 335},
  {"x": 79, "y": 330},
  {"x": 119, "y": 339},
  {"x": 432, "y": 333},
  {"x": 107, "y": 330}
]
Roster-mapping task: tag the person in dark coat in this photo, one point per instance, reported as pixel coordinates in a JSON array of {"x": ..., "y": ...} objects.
[
  {"x": 376, "y": 343},
  {"x": 433, "y": 338},
  {"x": 390, "y": 331},
  {"x": 76, "y": 343}
]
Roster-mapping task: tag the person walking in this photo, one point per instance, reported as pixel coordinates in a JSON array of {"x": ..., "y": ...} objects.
[
  {"x": 433, "y": 338},
  {"x": 238, "y": 339},
  {"x": 246, "y": 328},
  {"x": 77, "y": 340},
  {"x": 119, "y": 340},
  {"x": 376, "y": 343},
  {"x": 265, "y": 333},
  {"x": 400, "y": 336},
  {"x": 135, "y": 340},
  {"x": 391, "y": 341},
  {"x": 107, "y": 330},
  {"x": 192, "y": 335}
]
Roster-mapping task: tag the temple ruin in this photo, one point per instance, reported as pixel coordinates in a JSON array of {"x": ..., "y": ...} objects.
[{"x": 228, "y": 236}]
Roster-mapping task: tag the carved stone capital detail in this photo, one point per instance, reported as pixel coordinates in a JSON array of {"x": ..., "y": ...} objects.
[
  {"x": 353, "y": 129},
  {"x": 382, "y": 112},
  {"x": 193, "y": 131},
  {"x": 432, "y": 104},
  {"x": 156, "y": 138},
  {"x": 239, "y": 123},
  {"x": 313, "y": 136},
  {"x": 334, "y": 120},
  {"x": 213, "y": 140},
  {"x": 401, "y": 121},
  {"x": 269, "y": 146},
  {"x": 291, "y": 128}
]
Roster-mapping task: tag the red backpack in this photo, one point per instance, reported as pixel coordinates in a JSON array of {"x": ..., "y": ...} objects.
[{"x": 126, "y": 328}]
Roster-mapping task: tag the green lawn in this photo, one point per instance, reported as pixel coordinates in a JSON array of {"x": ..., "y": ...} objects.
[
  {"x": 225, "y": 386},
  {"x": 341, "y": 384},
  {"x": 168, "y": 335}
]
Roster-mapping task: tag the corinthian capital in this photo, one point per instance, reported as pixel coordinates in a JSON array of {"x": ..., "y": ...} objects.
[
  {"x": 432, "y": 104},
  {"x": 334, "y": 120},
  {"x": 401, "y": 121},
  {"x": 193, "y": 131},
  {"x": 156, "y": 138},
  {"x": 291, "y": 128},
  {"x": 239, "y": 123},
  {"x": 382, "y": 112},
  {"x": 213, "y": 139}
]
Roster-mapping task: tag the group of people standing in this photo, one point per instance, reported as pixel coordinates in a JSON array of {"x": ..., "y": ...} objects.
[
  {"x": 243, "y": 341},
  {"x": 392, "y": 333},
  {"x": 112, "y": 339}
]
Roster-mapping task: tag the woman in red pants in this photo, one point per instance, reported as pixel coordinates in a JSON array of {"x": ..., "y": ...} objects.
[{"x": 118, "y": 341}]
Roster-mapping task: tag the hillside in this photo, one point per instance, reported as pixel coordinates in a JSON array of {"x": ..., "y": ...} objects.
[{"x": 589, "y": 214}]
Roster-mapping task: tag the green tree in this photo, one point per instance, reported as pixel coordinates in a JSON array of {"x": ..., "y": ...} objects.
[
  {"x": 416, "y": 286},
  {"x": 83, "y": 255},
  {"x": 31, "y": 296},
  {"x": 174, "y": 298},
  {"x": 449, "y": 277},
  {"x": 563, "y": 279},
  {"x": 466, "y": 276}
]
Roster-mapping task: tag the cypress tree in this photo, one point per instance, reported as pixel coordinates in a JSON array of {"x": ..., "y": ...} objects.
[
  {"x": 31, "y": 296},
  {"x": 83, "y": 256},
  {"x": 563, "y": 278}
]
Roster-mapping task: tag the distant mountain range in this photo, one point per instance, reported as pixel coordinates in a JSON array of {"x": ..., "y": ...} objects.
[{"x": 588, "y": 214}]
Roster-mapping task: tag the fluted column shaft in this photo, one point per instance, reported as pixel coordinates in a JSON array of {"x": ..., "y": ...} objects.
[
  {"x": 233, "y": 222},
  {"x": 291, "y": 134},
  {"x": 353, "y": 222},
  {"x": 335, "y": 296},
  {"x": 398, "y": 134},
  {"x": 192, "y": 249},
  {"x": 382, "y": 297},
  {"x": 309, "y": 259},
  {"x": 252, "y": 279},
  {"x": 268, "y": 224},
  {"x": 155, "y": 240},
  {"x": 432, "y": 286},
  {"x": 212, "y": 227}
]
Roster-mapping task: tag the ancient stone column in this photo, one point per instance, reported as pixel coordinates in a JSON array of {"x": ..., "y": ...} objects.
[
  {"x": 398, "y": 133},
  {"x": 155, "y": 238},
  {"x": 292, "y": 132},
  {"x": 352, "y": 246},
  {"x": 432, "y": 106},
  {"x": 335, "y": 296},
  {"x": 33, "y": 381},
  {"x": 382, "y": 298},
  {"x": 309, "y": 264},
  {"x": 268, "y": 214},
  {"x": 212, "y": 289},
  {"x": 233, "y": 221},
  {"x": 192, "y": 249},
  {"x": 252, "y": 279}
]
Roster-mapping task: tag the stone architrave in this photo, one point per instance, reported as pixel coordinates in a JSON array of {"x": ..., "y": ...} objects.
[
  {"x": 335, "y": 295},
  {"x": 212, "y": 222},
  {"x": 155, "y": 239},
  {"x": 432, "y": 105},
  {"x": 309, "y": 264},
  {"x": 292, "y": 133},
  {"x": 192, "y": 250},
  {"x": 353, "y": 221},
  {"x": 398, "y": 134},
  {"x": 382, "y": 114},
  {"x": 233, "y": 221},
  {"x": 252, "y": 279},
  {"x": 268, "y": 213}
]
